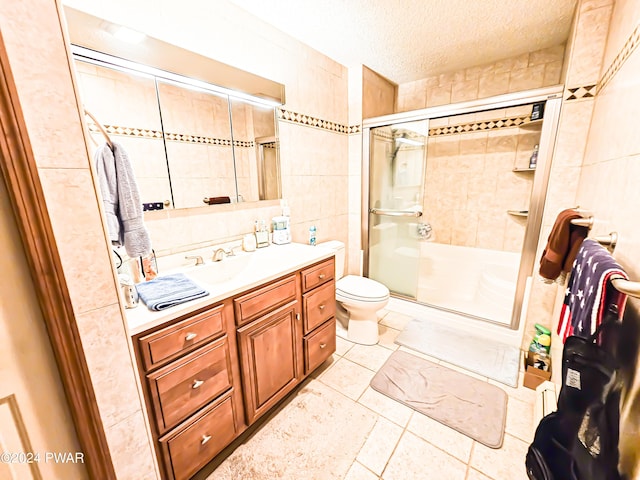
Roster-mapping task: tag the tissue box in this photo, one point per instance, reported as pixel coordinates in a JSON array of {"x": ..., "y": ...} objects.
[{"x": 534, "y": 376}]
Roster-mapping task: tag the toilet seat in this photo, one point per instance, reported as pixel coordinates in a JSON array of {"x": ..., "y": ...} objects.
[{"x": 360, "y": 289}]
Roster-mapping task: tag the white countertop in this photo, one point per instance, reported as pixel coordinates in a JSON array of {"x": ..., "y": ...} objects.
[{"x": 229, "y": 277}]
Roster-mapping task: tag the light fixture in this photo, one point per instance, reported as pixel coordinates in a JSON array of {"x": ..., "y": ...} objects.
[
  {"x": 99, "y": 58},
  {"x": 128, "y": 35}
]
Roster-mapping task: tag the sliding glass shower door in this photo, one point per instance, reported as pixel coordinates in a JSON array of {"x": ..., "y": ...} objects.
[
  {"x": 455, "y": 202},
  {"x": 396, "y": 181}
]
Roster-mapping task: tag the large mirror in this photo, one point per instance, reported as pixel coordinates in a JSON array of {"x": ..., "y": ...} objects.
[{"x": 191, "y": 143}]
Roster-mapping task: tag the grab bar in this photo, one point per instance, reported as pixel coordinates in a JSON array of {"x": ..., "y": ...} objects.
[{"x": 395, "y": 213}]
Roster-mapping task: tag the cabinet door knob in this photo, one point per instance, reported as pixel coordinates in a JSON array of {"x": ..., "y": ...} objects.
[
  {"x": 190, "y": 336},
  {"x": 297, "y": 316},
  {"x": 321, "y": 276},
  {"x": 197, "y": 383},
  {"x": 321, "y": 307},
  {"x": 205, "y": 439},
  {"x": 322, "y": 345}
]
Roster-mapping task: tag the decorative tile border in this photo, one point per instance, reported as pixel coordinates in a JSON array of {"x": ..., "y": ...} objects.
[
  {"x": 628, "y": 48},
  {"x": 482, "y": 126},
  {"x": 309, "y": 121},
  {"x": 577, "y": 93},
  {"x": 172, "y": 137}
]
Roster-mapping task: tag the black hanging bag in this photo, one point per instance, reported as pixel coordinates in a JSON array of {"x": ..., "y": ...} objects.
[{"x": 579, "y": 441}]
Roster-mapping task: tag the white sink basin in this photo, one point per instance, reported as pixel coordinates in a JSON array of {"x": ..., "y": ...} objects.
[{"x": 223, "y": 271}]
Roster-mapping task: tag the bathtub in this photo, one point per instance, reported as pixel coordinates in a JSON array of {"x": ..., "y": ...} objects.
[{"x": 474, "y": 281}]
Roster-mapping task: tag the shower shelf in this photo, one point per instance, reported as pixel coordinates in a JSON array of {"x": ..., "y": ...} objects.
[
  {"x": 518, "y": 213},
  {"x": 532, "y": 124},
  {"x": 525, "y": 169}
]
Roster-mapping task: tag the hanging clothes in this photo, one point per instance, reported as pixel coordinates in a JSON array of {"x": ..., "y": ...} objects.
[
  {"x": 121, "y": 200},
  {"x": 589, "y": 292}
]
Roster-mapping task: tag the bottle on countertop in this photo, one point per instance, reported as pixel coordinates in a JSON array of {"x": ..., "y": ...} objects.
[
  {"x": 312, "y": 235},
  {"x": 533, "y": 161}
]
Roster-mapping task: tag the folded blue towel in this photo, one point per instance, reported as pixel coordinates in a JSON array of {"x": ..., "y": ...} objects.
[{"x": 169, "y": 290}]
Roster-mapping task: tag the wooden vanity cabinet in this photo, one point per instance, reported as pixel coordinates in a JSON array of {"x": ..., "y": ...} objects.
[
  {"x": 191, "y": 381},
  {"x": 208, "y": 375},
  {"x": 319, "y": 309}
]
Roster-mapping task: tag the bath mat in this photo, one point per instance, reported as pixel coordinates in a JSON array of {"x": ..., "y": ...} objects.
[
  {"x": 474, "y": 408},
  {"x": 498, "y": 361}
]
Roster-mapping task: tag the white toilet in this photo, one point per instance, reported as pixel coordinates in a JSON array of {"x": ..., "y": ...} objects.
[{"x": 358, "y": 299}]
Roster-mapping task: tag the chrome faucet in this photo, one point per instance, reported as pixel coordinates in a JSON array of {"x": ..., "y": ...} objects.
[{"x": 197, "y": 258}]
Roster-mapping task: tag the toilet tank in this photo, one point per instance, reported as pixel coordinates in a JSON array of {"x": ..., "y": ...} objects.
[{"x": 338, "y": 248}]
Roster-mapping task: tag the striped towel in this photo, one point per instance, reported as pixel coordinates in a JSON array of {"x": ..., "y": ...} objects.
[
  {"x": 589, "y": 292},
  {"x": 169, "y": 290}
]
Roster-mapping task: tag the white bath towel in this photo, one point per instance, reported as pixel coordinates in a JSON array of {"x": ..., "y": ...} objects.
[{"x": 121, "y": 200}]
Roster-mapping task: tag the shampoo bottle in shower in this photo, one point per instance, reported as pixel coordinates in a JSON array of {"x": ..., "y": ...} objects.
[{"x": 533, "y": 161}]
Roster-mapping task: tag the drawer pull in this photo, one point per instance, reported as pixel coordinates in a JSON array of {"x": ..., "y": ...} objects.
[
  {"x": 190, "y": 336},
  {"x": 321, "y": 307},
  {"x": 197, "y": 383},
  {"x": 205, "y": 439},
  {"x": 322, "y": 345},
  {"x": 321, "y": 276}
]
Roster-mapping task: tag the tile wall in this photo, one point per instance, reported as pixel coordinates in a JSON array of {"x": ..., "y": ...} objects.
[
  {"x": 524, "y": 72},
  {"x": 33, "y": 37},
  {"x": 316, "y": 88},
  {"x": 470, "y": 183},
  {"x": 608, "y": 184}
]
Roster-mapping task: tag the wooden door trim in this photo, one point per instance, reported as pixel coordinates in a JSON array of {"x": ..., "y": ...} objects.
[{"x": 20, "y": 173}]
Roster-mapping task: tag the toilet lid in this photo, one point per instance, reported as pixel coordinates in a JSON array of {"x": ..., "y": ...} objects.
[{"x": 361, "y": 288}]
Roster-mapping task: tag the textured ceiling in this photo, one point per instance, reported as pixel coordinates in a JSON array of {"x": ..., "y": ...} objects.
[{"x": 407, "y": 40}]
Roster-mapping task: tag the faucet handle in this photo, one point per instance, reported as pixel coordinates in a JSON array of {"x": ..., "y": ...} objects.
[{"x": 197, "y": 258}]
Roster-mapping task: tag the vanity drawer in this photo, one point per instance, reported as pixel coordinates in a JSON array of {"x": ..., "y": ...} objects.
[
  {"x": 261, "y": 301},
  {"x": 191, "y": 448},
  {"x": 182, "y": 387},
  {"x": 319, "y": 306},
  {"x": 177, "y": 338},
  {"x": 319, "y": 345},
  {"x": 318, "y": 274}
]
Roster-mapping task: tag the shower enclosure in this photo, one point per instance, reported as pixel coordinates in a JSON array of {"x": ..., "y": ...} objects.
[{"x": 454, "y": 197}]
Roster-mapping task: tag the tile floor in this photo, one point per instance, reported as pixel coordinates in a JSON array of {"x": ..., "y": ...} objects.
[{"x": 407, "y": 445}]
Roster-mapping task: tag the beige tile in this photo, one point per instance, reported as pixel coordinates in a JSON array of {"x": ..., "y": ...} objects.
[
  {"x": 343, "y": 346},
  {"x": 438, "y": 96},
  {"x": 386, "y": 406},
  {"x": 387, "y": 337},
  {"x": 552, "y": 72},
  {"x": 547, "y": 55},
  {"x": 464, "y": 90},
  {"x": 473, "y": 474},
  {"x": 359, "y": 472},
  {"x": 416, "y": 459},
  {"x": 520, "y": 419},
  {"x": 348, "y": 378},
  {"x": 521, "y": 393},
  {"x": 106, "y": 348},
  {"x": 131, "y": 450},
  {"x": 369, "y": 356},
  {"x": 443, "y": 437},
  {"x": 395, "y": 320},
  {"x": 492, "y": 84},
  {"x": 526, "y": 78},
  {"x": 504, "y": 462},
  {"x": 379, "y": 445},
  {"x": 80, "y": 235}
]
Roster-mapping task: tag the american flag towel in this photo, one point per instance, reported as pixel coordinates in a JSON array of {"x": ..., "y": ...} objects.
[{"x": 589, "y": 292}]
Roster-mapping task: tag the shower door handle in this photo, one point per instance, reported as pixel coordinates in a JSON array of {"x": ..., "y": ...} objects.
[{"x": 395, "y": 213}]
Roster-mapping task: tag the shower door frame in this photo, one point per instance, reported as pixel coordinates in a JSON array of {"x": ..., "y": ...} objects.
[{"x": 553, "y": 98}]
